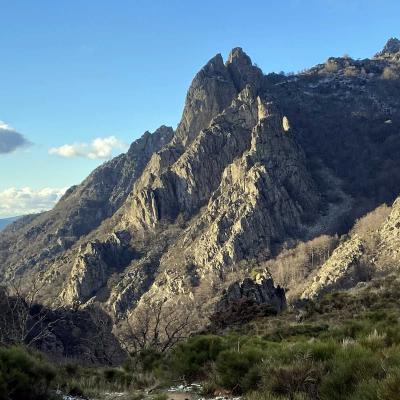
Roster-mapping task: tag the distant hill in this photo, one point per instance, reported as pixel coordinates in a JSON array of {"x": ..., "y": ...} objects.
[{"x": 7, "y": 221}]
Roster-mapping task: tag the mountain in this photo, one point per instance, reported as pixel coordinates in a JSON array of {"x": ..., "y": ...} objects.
[
  {"x": 7, "y": 221},
  {"x": 259, "y": 168}
]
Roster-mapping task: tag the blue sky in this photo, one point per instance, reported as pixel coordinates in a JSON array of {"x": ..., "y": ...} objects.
[{"x": 72, "y": 71}]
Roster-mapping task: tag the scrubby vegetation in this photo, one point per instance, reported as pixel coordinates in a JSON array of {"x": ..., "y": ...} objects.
[
  {"x": 345, "y": 346},
  {"x": 24, "y": 375}
]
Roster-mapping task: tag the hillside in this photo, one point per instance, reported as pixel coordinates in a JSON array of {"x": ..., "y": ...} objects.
[
  {"x": 7, "y": 221},
  {"x": 258, "y": 166}
]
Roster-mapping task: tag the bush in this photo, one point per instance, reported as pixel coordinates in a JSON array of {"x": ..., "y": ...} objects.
[
  {"x": 390, "y": 387},
  {"x": 238, "y": 371},
  {"x": 24, "y": 375},
  {"x": 331, "y": 66},
  {"x": 366, "y": 390},
  {"x": 306, "y": 330},
  {"x": 390, "y": 73},
  {"x": 146, "y": 360},
  {"x": 189, "y": 359},
  {"x": 116, "y": 376},
  {"x": 71, "y": 369},
  {"x": 301, "y": 376},
  {"x": 323, "y": 351},
  {"x": 350, "y": 366}
]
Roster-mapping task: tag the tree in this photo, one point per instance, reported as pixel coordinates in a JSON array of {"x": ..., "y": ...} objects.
[
  {"x": 156, "y": 325},
  {"x": 22, "y": 319}
]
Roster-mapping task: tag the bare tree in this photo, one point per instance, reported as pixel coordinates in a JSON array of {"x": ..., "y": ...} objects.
[
  {"x": 22, "y": 319},
  {"x": 100, "y": 344},
  {"x": 158, "y": 326}
]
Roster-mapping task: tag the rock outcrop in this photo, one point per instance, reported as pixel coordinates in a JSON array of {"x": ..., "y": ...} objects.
[
  {"x": 247, "y": 300},
  {"x": 359, "y": 258},
  {"x": 261, "y": 292},
  {"x": 392, "y": 47},
  {"x": 256, "y": 164},
  {"x": 343, "y": 270},
  {"x": 41, "y": 238},
  {"x": 390, "y": 238},
  {"x": 94, "y": 264}
]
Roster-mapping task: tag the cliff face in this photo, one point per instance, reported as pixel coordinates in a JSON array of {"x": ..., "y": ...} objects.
[
  {"x": 36, "y": 240},
  {"x": 93, "y": 265},
  {"x": 363, "y": 255},
  {"x": 261, "y": 291},
  {"x": 257, "y": 163}
]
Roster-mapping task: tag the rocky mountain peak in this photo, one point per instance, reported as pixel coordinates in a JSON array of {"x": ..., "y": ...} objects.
[
  {"x": 214, "y": 65},
  {"x": 150, "y": 142},
  {"x": 392, "y": 47},
  {"x": 243, "y": 71},
  {"x": 238, "y": 56},
  {"x": 211, "y": 91},
  {"x": 257, "y": 164}
]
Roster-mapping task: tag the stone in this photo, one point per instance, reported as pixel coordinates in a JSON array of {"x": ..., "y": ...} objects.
[
  {"x": 263, "y": 293},
  {"x": 392, "y": 47},
  {"x": 256, "y": 164},
  {"x": 94, "y": 264}
]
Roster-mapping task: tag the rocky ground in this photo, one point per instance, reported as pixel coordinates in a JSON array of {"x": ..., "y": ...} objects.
[{"x": 179, "y": 392}]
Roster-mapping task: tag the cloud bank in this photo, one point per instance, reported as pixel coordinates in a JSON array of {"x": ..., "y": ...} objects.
[
  {"x": 14, "y": 202},
  {"x": 10, "y": 139},
  {"x": 100, "y": 148}
]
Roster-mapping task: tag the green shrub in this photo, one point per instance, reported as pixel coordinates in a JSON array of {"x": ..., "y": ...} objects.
[
  {"x": 71, "y": 369},
  {"x": 306, "y": 330},
  {"x": 374, "y": 341},
  {"x": 350, "y": 366},
  {"x": 146, "y": 360},
  {"x": 391, "y": 358},
  {"x": 237, "y": 371},
  {"x": 323, "y": 350},
  {"x": 149, "y": 359},
  {"x": 301, "y": 376},
  {"x": 189, "y": 359},
  {"x": 117, "y": 376},
  {"x": 24, "y": 375},
  {"x": 392, "y": 334},
  {"x": 365, "y": 390},
  {"x": 389, "y": 389},
  {"x": 252, "y": 379}
]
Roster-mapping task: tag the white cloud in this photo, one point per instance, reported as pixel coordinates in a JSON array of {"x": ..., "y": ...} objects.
[
  {"x": 100, "y": 148},
  {"x": 10, "y": 139},
  {"x": 14, "y": 201}
]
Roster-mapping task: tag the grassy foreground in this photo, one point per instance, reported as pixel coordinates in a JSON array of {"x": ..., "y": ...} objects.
[{"x": 346, "y": 346}]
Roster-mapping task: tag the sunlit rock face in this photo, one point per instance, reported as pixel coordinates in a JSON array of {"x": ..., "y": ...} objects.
[{"x": 256, "y": 164}]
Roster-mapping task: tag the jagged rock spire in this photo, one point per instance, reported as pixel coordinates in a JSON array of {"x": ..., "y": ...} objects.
[
  {"x": 243, "y": 71},
  {"x": 392, "y": 46},
  {"x": 238, "y": 56},
  {"x": 211, "y": 91}
]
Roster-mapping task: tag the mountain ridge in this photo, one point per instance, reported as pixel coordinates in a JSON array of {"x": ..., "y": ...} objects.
[
  {"x": 7, "y": 221},
  {"x": 257, "y": 163}
]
